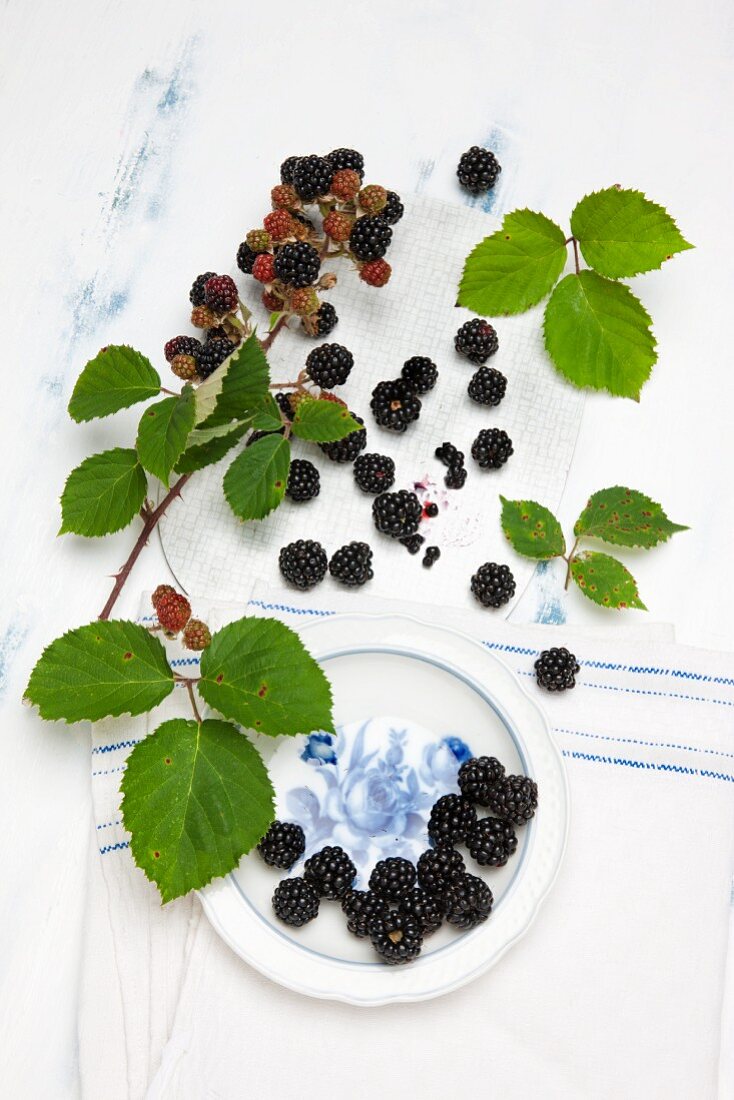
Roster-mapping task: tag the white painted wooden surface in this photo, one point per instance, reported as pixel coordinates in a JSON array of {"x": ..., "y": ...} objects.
[{"x": 140, "y": 142}]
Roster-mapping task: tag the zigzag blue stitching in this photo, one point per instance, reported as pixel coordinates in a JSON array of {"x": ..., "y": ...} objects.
[
  {"x": 637, "y": 741},
  {"x": 117, "y": 745},
  {"x": 185, "y": 661},
  {"x": 646, "y": 765},
  {"x": 114, "y": 847},
  {"x": 286, "y": 607}
]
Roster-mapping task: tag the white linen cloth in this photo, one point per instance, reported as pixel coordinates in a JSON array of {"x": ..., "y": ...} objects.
[{"x": 616, "y": 991}]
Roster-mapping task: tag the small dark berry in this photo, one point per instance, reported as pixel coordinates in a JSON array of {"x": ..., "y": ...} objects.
[
  {"x": 448, "y": 454},
  {"x": 394, "y": 405},
  {"x": 329, "y": 365},
  {"x": 295, "y": 902},
  {"x": 419, "y": 373},
  {"x": 514, "y": 798},
  {"x": 304, "y": 482},
  {"x": 196, "y": 294},
  {"x": 347, "y": 449},
  {"x": 246, "y": 258},
  {"x": 374, "y": 473},
  {"x": 427, "y": 909},
  {"x": 478, "y": 170},
  {"x": 455, "y": 477},
  {"x": 493, "y": 584},
  {"x": 487, "y": 387},
  {"x": 330, "y": 871},
  {"x": 393, "y": 210},
  {"x": 397, "y": 514},
  {"x": 491, "y": 842},
  {"x": 556, "y": 669},
  {"x": 451, "y": 819},
  {"x": 477, "y": 777},
  {"x": 412, "y": 543},
  {"x": 346, "y": 158},
  {"x": 468, "y": 902},
  {"x": 370, "y": 237},
  {"x": 361, "y": 907},
  {"x": 477, "y": 340},
  {"x": 431, "y": 556},
  {"x": 311, "y": 177},
  {"x": 438, "y": 867},
  {"x": 283, "y": 844},
  {"x": 303, "y": 563},
  {"x": 392, "y": 878},
  {"x": 396, "y": 938},
  {"x": 352, "y": 564},
  {"x": 297, "y": 264},
  {"x": 491, "y": 448}
]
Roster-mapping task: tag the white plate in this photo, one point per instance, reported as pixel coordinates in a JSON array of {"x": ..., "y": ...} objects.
[{"x": 411, "y": 701}]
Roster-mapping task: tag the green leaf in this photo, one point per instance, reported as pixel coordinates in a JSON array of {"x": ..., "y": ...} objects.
[
  {"x": 236, "y": 388},
  {"x": 100, "y": 670},
  {"x": 532, "y": 529},
  {"x": 116, "y": 378},
  {"x": 598, "y": 335},
  {"x": 273, "y": 320},
  {"x": 622, "y": 233},
  {"x": 103, "y": 494},
  {"x": 605, "y": 580},
  {"x": 205, "y": 446},
  {"x": 625, "y": 517},
  {"x": 196, "y": 797},
  {"x": 163, "y": 433},
  {"x": 322, "y": 421},
  {"x": 255, "y": 482},
  {"x": 514, "y": 268},
  {"x": 257, "y": 672},
  {"x": 266, "y": 416}
]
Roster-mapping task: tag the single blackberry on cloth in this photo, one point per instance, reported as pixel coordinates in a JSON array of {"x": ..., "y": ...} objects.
[
  {"x": 304, "y": 482},
  {"x": 491, "y": 842},
  {"x": 323, "y": 321},
  {"x": 478, "y": 170},
  {"x": 488, "y": 386},
  {"x": 468, "y": 902},
  {"x": 451, "y": 819},
  {"x": 493, "y": 584},
  {"x": 449, "y": 455},
  {"x": 374, "y": 473},
  {"x": 477, "y": 340},
  {"x": 477, "y": 776},
  {"x": 361, "y": 907},
  {"x": 397, "y": 938},
  {"x": 393, "y": 210},
  {"x": 514, "y": 798},
  {"x": 283, "y": 844},
  {"x": 438, "y": 867},
  {"x": 352, "y": 564},
  {"x": 330, "y": 872},
  {"x": 303, "y": 563},
  {"x": 295, "y": 902},
  {"x": 419, "y": 373},
  {"x": 297, "y": 264},
  {"x": 196, "y": 294},
  {"x": 370, "y": 237},
  {"x": 455, "y": 477},
  {"x": 556, "y": 669},
  {"x": 329, "y": 365},
  {"x": 491, "y": 448},
  {"x": 431, "y": 556},
  {"x": 394, "y": 405},
  {"x": 311, "y": 177},
  {"x": 392, "y": 878},
  {"x": 347, "y": 449},
  {"x": 181, "y": 345},
  {"x": 212, "y": 354},
  {"x": 427, "y": 909},
  {"x": 346, "y": 158},
  {"x": 397, "y": 514}
]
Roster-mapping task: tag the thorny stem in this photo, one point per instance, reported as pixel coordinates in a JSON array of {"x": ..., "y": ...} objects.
[{"x": 279, "y": 324}]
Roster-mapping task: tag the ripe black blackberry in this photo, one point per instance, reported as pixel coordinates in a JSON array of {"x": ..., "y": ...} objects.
[
  {"x": 392, "y": 878},
  {"x": 455, "y": 477},
  {"x": 468, "y": 902},
  {"x": 374, "y": 473},
  {"x": 491, "y": 448},
  {"x": 393, "y": 210},
  {"x": 431, "y": 556},
  {"x": 219, "y": 332},
  {"x": 493, "y": 584},
  {"x": 394, "y": 405},
  {"x": 477, "y": 340},
  {"x": 287, "y": 168},
  {"x": 303, "y": 563},
  {"x": 491, "y": 842},
  {"x": 370, "y": 237},
  {"x": 255, "y": 436},
  {"x": 196, "y": 294},
  {"x": 449, "y": 455},
  {"x": 330, "y": 872},
  {"x": 220, "y": 294},
  {"x": 514, "y": 798},
  {"x": 283, "y": 844},
  {"x": 451, "y": 819},
  {"x": 211, "y": 355},
  {"x": 311, "y": 177},
  {"x": 347, "y": 449},
  {"x": 427, "y": 909},
  {"x": 361, "y": 907},
  {"x": 430, "y": 510},
  {"x": 297, "y": 264},
  {"x": 352, "y": 564},
  {"x": 438, "y": 867},
  {"x": 295, "y": 902},
  {"x": 397, "y": 514},
  {"x": 478, "y": 169},
  {"x": 329, "y": 365},
  {"x": 182, "y": 345},
  {"x": 556, "y": 669},
  {"x": 412, "y": 543},
  {"x": 397, "y": 938},
  {"x": 246, "y": 258},
  {"x": 346, "y": 158},
  {"x": 304, "y": 482},
  {"x": 322, "y": 321},
  {"x": 487, "y": 387},
  {"x": 419, "y": 373},
  {"x": 285, "y": 404},
  {"x": 477, "y": 777}
]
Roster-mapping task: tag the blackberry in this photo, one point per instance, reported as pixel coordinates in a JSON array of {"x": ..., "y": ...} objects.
[
  {"x": 311, "y": 177},
  {"x": 211, "y": 355},
  {"x": 361, "y": 907},
  {"x": 287, "y": 168},
  {"x": 246, "y": 258},
  {"x": 431, "y": 556},
  {"x": 284, "y": 403},
  {"x": 491, "y": 448},
  {"x": 352, "y": 564},
  {"x": 182, "y": 345},
  {"x": 347, "y": 449},
  {"x": 448, "y": 454},
  {"x": 370, "y": 237},
  {"x": 346, "y": 158},
  {"x": 487, "y": 387},
  {"x": 295, "y": 902},
  {"x": 397, "y": 514},
  {"x": 283, "y": 844},
  {"x": 438, "y": 867},
  {"x": 556, "y": 669},
  {"x": 397, "y": 938},
  {"x": 253, "y": 437},
  {"x": 468, "y": 902},
  {"x": 477, "y": 340},
  {"x": 303, "y": 563},
  {"x": 430, "y": 510},
  {"x": 297, "y": 264},
  {"x": 329, "y": 365},
  {"x": 394, "y": 405},
  {"x": 514, "y": 798},
  {"x": 427, "y": 909},
  {"x": 478, "y": 169},
  {"x": 325, "y": 319},
  {"x": 219, "y": 332},
  {"x": 491, "y": 842},
  {"x": 477, "y": 777},
  {"x": 220, "y": 294},
  {"x": 196, "y": 294},
  {"x": 392, "y": 878},
  {"x": 493, "y": 584},
  {"x": 455, "y": 477},
  {"x": 419, "y": 373},
  {"x": 330, "y": 872},
  {"x": 374, "y": 473},
  {"x": 412, "y": 543},
  {"x": 393, "y": 210},
  {"x": 451, "y": 819},
  {"x": 303, "y": 481}
]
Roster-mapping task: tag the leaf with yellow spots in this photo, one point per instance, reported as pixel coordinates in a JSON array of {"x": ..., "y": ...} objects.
[
  {"x": 606, "y": 581},
  {"x": 532, "y": 529},
  {"x": 625, "y": 517}
]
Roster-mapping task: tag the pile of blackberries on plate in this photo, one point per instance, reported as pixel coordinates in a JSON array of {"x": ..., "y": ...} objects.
[{"x": 404, "y": 902}]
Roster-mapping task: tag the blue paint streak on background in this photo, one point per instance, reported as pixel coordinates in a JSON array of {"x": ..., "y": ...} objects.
[
  {"x": 551, "y": 608},
  {"x": 10, "y": 643}
]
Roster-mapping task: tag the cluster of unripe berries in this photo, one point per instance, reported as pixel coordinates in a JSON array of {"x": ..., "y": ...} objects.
[
  {"x": 405, "y": 902},
  {"x": 173, "y": 611}
]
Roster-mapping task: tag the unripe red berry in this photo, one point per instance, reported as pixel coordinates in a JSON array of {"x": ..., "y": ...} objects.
[
  {"x": 173, "y": 611},
  {"x": 284, "y": 197},
  {"x": 338, "y": 225},
  {"x": 258, "y": 240},
  {"x": 304, "y": 301},
  {"x": 375, "y": 272},
  {"x": 184, "y": 366},
  {"x": 263, "y": 269},
  {"x": 196, "y": 635},
  {"x": 279, "y": 225},
  {"x": 345, "y": 184},
  {"x": 202, "y": 317},
  {"x": 272, "y": 301},
  {"x": 372, "y": 198}
]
